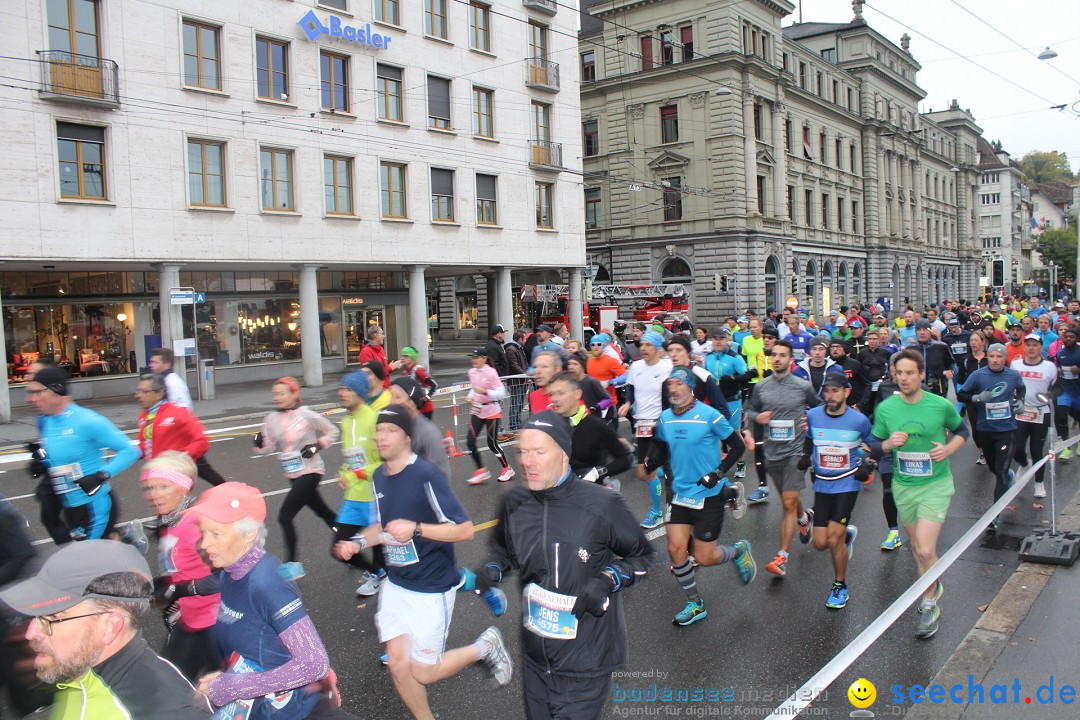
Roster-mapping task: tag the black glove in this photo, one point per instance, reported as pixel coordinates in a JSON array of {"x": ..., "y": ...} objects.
[
  {"x": 766, "y": 374},
  {"x": 804, "y": 462},
  {"x": 486, "y": 576},
  {"x": 90, "y": 484},
  {"x": 166, "y": 592},
  {"x": 864, "y": 471},
  {"x": 38, "y": 467},
  {"x": 259, "y": 440},
  {"x": 710, "y": 481},
  {"x": 650, "y": 465},
  {"x": 593, "y": 598},
  {"x": 309, "y": 450},
  {"x": 595, "y": 474}
]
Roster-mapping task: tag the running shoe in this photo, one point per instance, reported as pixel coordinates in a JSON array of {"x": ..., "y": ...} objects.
[
  {"x": 291, "y": 571},
  {"x": 1012, "y": 476},
  {"x": 838, "y": 596},
  {"x": 744, "y": 562},
  {"x": 929, "y": 620},
  {"x": 740, "y": 470},
  {"x": 760, "y": 495},
  {"x": 892, "y": 540},
  {"x": 1040, "y": 490},
  {"x": 690, "y": 614},
  {"x": 1066, "y": 454},
  {"x": 652, "y": 520},
  {"x": 133, "y": 535},
  {"x": 738, "y": 504},
  {"x": 468, "y": 580},
  {"x": 496, "y": 600},
  {"x": 478, "y": 477},
  {"x": 778, "y": 565},
  {"x": 614, "y": 484},
  {"x": 806, "y": 532},
  {"x": 981, "y": 460},
  {"x": 384, "y": 659},
  {"x": 371, "y": 584},
  {"x": 852, "y": 533},
  {"x": 506, "y": 474},
  {"x": 938, "y": 592},
  {"x": 497, "y": 658}
]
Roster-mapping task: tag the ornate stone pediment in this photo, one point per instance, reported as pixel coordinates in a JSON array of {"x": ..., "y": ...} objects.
[{"x": 668, "y": 160}]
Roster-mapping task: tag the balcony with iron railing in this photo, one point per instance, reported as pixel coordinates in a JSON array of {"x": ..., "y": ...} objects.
[
  {"x": 545, "y": 155},
  {"x": 542, "y": 74},
  {"x": 548, "y": 7},
  {"x": 85, "y": 79}
]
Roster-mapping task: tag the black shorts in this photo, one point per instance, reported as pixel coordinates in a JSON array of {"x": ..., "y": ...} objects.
[
  {"x": 707, "y": 522},
  {"x": 644, "y": 444},
  {"x": 834, "y": 507}
]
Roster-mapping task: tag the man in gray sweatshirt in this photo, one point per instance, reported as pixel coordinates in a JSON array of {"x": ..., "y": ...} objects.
[{"x": 779, "y": 405}]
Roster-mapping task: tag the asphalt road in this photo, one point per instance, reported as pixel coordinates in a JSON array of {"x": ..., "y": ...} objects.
[{"x": 759, "y": 643}]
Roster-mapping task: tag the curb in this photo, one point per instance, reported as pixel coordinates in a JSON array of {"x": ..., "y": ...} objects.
[{"x": 977, "y": 653}]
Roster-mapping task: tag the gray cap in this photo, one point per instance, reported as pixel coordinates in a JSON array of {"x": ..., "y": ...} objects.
[
  {"x": 62, "y": 580},
  {"x": 922, "y": 325},
  {"x": 818, "y": 340}
]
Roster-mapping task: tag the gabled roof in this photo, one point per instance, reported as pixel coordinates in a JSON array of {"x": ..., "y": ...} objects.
[
  {"x": 988, "y": 159},
  {"x": 1058, "y": 193}
]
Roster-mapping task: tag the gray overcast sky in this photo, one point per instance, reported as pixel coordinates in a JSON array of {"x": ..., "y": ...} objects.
[{"x": 1020, "y": 119}]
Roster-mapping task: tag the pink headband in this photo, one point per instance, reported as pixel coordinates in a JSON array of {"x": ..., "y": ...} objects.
[{"x": 176, "y": 478}]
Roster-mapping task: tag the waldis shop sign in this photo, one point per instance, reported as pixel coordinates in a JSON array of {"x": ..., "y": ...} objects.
[{"x": 313, "y": 28}]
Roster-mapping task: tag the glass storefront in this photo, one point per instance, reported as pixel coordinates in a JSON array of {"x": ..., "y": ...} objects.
[{"x": 249, "y": 317}]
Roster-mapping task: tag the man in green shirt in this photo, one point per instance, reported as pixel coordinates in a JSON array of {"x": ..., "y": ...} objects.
[{"x": 912, "y": 426}]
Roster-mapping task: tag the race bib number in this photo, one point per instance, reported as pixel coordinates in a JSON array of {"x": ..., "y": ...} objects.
[
  {"x": 1067, "y": 373},
  {"x": 875, "y": 385},
  {"x": 63, "y": 477},
  {"x": 291, "y": 462},
  {"x": 689, "y": 502},
  {"x": 781, "y": 430},
  {"x": 959, "y": 348},
  {"x": 547, "y": 614},
  {"x": 998, "y": 411},
  {"x": 399, "y": 554},
  {"x": 644, "y": 428},
  {"x": 1030, "y": 414},
  {"x": 355, "y": 459},
  {"x": 914, "y": 464},
  {"x": 799, "y": 354},
  {"x": 833, "y": 458},
  {"x": 242, "y": 709}
]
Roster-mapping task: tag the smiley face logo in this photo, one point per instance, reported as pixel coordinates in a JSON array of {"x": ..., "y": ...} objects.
[{"x": 862, "y": 693}]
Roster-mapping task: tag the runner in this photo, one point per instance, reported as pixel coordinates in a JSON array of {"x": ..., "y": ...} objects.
[
  {"x": 374, "y": 351},
  {"x": 687, "y": 435},
  {"x": 780, "y": 402},
  {"x": 859, "y": 388},
  {"x": 937, "y": 358},
  {"x": 411, "y": 369},
  {"x": 912, "y": 426},
  {"x": 164, "y": 426},
  {"x": 419, "y": 520},
  {"x": 875, "y": 362},
  {"x": 545, "y": 367},
  {"x": 598, "y": 553},
  {"x": 70, "y": 451},
  {"x": 484, "y": 396},
  {"x": 597, "y": 454},
  {"x": 994, "y": 390},
  {"x": 974, "y": 359},
  {"x": 1040, "y": 379},
  {"x": 644, "y": 390},
  {"x": 297, "y": 433},
  {"x": 161, "y": 363},
  {"x": 838, "y": 441},
  {"x": 794, "y": 332},
  {"x": 1068, "y": 404},
  {"x": 815, "y": 367},
  {"x": 762, "y": 368},
  {"x": 730, "y": 370},
  {"x": 361, "y": 459},
  {"x": 1015, "y": 346}
]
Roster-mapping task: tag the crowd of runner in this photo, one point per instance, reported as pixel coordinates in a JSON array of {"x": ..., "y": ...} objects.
[{"x": 860, "y": 397}]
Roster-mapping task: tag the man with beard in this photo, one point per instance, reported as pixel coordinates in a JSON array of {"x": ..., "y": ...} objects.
[
  {"x": 859, "y": 396},
  {"x": 88, "y": 602}
]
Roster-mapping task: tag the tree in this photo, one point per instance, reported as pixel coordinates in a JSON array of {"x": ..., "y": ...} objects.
[
  {"x": 1041, "y": 167},
  {"x": 1058, "y": 246}
]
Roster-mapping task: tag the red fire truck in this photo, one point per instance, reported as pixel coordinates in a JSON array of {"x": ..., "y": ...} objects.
[{"x": 552, "y": 302}]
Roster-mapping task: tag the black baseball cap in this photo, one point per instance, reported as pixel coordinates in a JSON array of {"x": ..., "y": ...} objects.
[{"x": 835, "y": 379}]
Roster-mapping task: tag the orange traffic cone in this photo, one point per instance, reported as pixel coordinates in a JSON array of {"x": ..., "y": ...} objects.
[{"x": 451, "y": 447}]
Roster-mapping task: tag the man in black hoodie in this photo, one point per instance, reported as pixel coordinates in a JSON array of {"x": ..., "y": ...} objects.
[
  {"x": 495, "y": 351},
  {"x": 575, "y": 632}
]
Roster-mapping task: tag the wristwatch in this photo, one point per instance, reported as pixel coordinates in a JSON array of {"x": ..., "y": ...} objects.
[{"x": 418, "y": 531}]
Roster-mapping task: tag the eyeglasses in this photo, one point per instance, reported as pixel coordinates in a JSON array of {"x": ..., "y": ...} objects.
[{"x": 46, "y": 624}]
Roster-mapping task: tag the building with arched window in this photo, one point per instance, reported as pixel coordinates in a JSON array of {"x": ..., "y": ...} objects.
[{"x": 790, "y": 160}]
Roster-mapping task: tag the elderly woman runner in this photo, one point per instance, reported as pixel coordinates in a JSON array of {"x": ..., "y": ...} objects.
[
  {"x": 276, "y": 667},
  {"x": 166, "y": 483}
]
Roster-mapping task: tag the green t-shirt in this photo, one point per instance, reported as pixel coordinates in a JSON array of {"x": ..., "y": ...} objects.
[{"x": 925, "y": 423}]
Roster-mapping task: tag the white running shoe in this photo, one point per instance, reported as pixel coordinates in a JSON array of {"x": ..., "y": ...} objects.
[
  {"x": 479, "y": 476},
  {"x": 1040, "y": 490},
  {"x": 370, "y": 586},
  {"x": 506, "y": 474}
]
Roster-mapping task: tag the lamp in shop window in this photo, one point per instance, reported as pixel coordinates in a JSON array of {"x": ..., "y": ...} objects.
[
  {"x": 292, "y": 327},
  {"x": 121, "y": 317}
]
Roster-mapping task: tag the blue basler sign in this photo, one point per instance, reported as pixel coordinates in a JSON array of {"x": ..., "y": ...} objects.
[{"x": 313, "y": 28}]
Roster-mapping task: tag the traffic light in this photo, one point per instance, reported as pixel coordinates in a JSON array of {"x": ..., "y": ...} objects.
[
  {"x": 997, "y": 273},
  {"x": 794, "y": 284},
  {"x": 723, "y": 283}
]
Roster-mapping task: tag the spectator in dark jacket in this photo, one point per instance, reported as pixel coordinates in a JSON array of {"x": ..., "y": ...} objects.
[
  {"x": 515, "y": 354},
  {"x": 495, "y": 351}
]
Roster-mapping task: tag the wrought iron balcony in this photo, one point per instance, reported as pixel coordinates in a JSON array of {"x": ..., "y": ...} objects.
[
  {"x": 542, "y": 74},
  {"x": 548, "y": 7},
  {"x": 544, "y": 154},
  {"x": 77, "y": 78}
]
